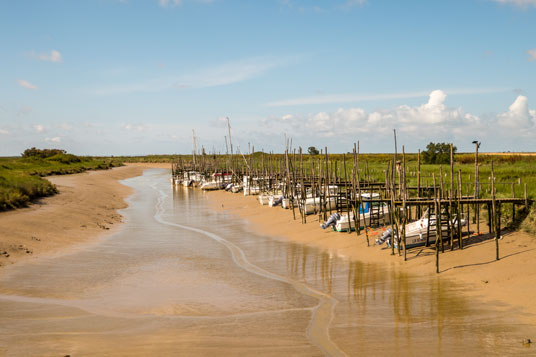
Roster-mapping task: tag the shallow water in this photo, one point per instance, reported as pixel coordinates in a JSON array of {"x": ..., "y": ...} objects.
[{"x": 180, "y": 278}]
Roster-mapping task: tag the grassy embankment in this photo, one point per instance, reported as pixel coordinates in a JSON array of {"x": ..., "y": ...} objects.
[{"x": 21, "y": 177}]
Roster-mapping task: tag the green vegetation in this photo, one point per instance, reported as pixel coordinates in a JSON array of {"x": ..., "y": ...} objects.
[
  {"x": 313, "y": 151},
  {"x": 146, "y": 158},
  {"x": 437, "y": 153},
  {"x": 529, "y": 223},
  {"x": 21, "y": 177}
]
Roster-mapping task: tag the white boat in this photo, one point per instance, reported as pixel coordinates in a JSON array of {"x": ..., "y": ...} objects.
[
  {"x": 210, "y": 186},
  {"x": 236, "y": 188},
  {"x": 263, "y": 199},
  {"x": 273, "y": 199},
  {"x": 382, "y": 211},
  {"x": 416, "y": 232},
  {"x": 367, "y": 209},
  {"x": 312, "y": 205},
  {"x": 250, "y": 191},
  {"x": 250, "y": 186}
]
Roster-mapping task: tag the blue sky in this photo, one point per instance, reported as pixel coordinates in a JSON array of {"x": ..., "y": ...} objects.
[{"x": 119, "y": 77}]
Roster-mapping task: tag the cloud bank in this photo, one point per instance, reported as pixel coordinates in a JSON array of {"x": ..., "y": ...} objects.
[{"x": 433, "y": 120}]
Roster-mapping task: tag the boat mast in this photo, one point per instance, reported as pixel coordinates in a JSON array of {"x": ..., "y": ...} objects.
[{"x": 194, "y": 147}]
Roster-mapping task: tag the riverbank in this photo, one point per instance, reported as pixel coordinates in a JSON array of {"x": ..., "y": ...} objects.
[
  {"x": 509, "y": 281},
  {"x": 84, "y": 210}
]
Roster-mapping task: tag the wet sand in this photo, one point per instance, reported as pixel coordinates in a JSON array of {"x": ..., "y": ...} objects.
[
  {"x": 511, "y": 281},
  {"x": 181, "y": 278},
  {"x": 84, "y": 210}
]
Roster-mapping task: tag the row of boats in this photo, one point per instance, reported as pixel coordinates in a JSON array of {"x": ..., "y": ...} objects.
[{"x": 372, "y": 210}]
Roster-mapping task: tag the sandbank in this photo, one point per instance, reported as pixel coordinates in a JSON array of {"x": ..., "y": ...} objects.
[{"x": 85, "y": 209}]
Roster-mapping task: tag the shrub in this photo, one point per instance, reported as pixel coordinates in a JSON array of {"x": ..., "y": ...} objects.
[
  {"x": 313, "y": 151},
  {"x": 42, "y": 153},
  {"x": 437, "y": 153},
  {"x": 529, "y": 224}
]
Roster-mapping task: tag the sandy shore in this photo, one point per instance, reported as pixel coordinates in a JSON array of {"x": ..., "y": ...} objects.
[
  {"x": 84, "y": 210},
  {"x": 511, "y": 280}
]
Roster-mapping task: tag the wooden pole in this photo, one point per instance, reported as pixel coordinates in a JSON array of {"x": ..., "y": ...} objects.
[
  {"x": 438, "y": 227},
  {"x": 494, "y": 212}
]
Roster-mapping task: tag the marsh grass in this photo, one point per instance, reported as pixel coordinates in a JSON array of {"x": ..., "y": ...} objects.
[{"x": 21, "y": 178}]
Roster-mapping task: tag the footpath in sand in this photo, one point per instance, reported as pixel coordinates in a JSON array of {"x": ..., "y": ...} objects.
[
  {"x": 510, "y": 281},
  {"x": 85, "y": 209}
]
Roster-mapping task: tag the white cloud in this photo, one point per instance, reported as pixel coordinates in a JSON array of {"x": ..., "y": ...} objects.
[
  {"x": 356, "y": 97},
  {"x": 26, "y": 84},
  {"x": 3, "y": 131},
  {"x": 519, "y": 3},
  {"x": 55, "y": 139},
  {"x": 52, "y": 56},
  {"x": 39, "y": 128},
  {"x": 518, "y": 115},
  {"x": 343, "y": 122},
  {"x": 229, "y": 73},
  {"x": 218, "y": 75},
  {"x": 532, "y": 54}
]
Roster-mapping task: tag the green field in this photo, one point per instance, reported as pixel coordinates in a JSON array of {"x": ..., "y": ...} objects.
[{"x": 21, "y": 178}]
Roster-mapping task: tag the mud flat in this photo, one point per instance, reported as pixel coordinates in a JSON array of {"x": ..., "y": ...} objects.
[
  {"x": 84, "y": 210},
  {"x": 510, "y": 281}
]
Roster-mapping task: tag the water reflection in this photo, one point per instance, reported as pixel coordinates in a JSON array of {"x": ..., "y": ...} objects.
[{"x": 406, "y": 313}]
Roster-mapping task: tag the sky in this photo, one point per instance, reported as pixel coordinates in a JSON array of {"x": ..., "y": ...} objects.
[{"x": 136, "y": 77}]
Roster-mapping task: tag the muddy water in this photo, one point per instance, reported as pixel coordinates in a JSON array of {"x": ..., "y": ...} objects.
[{"x": 181, "y": 279}]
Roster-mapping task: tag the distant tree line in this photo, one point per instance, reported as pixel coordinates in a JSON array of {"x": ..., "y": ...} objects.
[{"x": 42, "y": 153}]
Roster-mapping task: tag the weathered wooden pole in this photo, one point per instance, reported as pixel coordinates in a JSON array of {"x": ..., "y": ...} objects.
[
  {"x": 451, "y": 228},
  {"x": 438, "y": 227},
  {"x": 513, "y": 203},
  {"x": 494, "y": 214},
  {"x": 459, "y": 211},
  {"x": 477, "y": 187},
  {"x": 419, "y": 213}
]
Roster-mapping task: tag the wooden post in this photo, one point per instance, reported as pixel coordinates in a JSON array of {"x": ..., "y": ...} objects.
[
  {"x": 438, "y": 227},
  {"x": 513, "y": 203},
  {"x": 494, "y": 213},
  {"x": 451, "y": 228},
  {"x": 404, "y": 197},
  {"x": 358, "y": 224},
  {"x": 526, "y": 200},
  {"x": 419, "y": 181},
  {"x": 459, "y": 211}
]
